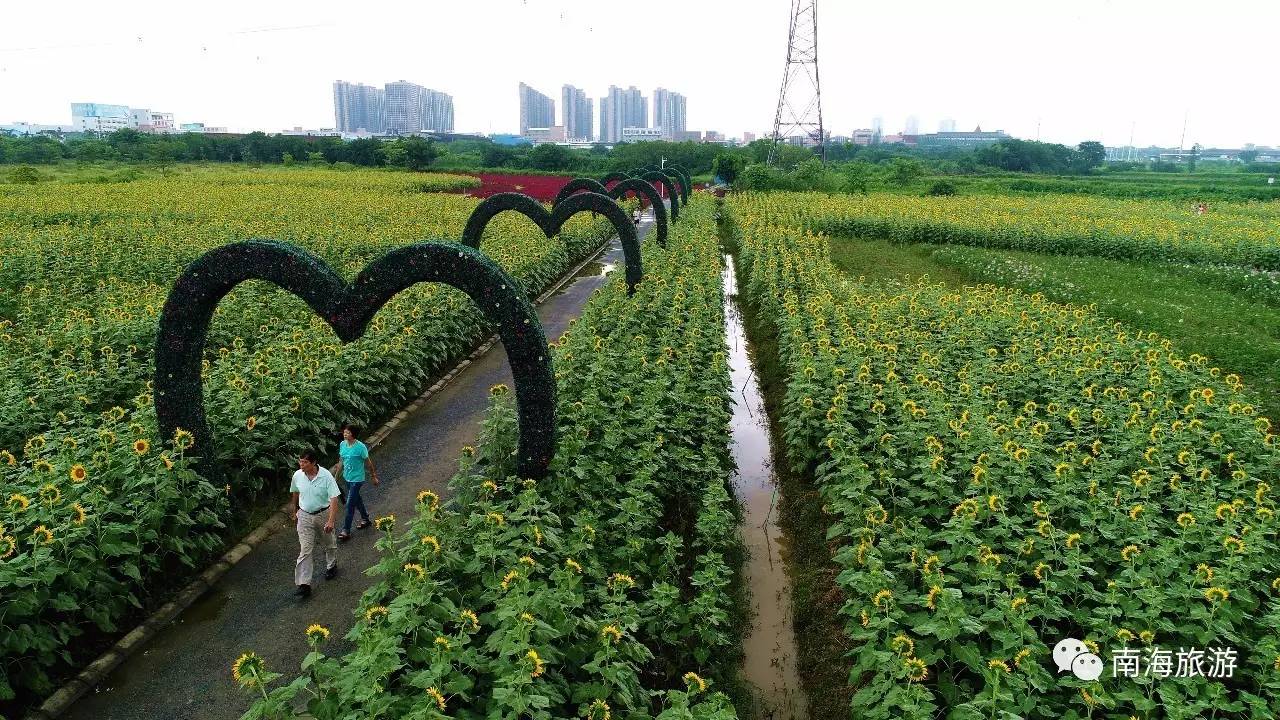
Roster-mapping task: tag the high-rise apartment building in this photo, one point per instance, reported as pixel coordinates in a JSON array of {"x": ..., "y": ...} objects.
[
  {"x": 358, "y": 107},
  {"x": 622, "y": 109},
  {"x": 536, "y": 110},
  {"x": 575, "y": 108},
  {"x": 913, "y": 125},
  {"x": 412, "y": 108},
  {"x": 669, "y": 113}
]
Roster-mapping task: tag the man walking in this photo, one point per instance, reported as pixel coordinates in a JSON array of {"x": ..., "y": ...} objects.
[{"x": 315, "y": 508}]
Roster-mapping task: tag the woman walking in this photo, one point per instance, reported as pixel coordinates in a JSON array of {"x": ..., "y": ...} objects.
[{"x": 356, "y": 466}]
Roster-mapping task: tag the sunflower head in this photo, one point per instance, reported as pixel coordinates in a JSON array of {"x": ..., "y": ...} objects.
[
  {"x": 78, "y": 473},
  {"x": 317, "y": 634},
  {"x": 386, "y": 523},
  {"x": 248, "y": 670},
  {"x": 141, "y": 446},
  {"x": 694, "y": 682}
]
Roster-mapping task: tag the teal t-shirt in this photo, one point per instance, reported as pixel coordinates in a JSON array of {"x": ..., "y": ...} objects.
[{"x": 353, "y": 457}]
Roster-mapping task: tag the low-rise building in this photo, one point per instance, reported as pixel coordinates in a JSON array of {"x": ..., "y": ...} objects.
[
  {"x": 966, "y": 140},
  {"x": 540, "y": 135},
  {"x": 641, "y": 134}
]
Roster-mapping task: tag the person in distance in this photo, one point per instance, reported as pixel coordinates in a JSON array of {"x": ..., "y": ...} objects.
[{"x": 315, "y": 509}]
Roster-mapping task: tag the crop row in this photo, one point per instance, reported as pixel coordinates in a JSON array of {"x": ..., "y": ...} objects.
[
  {"x": 101, "y": 516},
  {"x": 601, "y": 590},
  {"x": 1000, "y": 473},
  {"x": 1235, "y": 233}
]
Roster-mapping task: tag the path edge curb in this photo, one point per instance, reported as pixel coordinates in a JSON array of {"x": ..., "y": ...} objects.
[{"x": 92, "y": 675}]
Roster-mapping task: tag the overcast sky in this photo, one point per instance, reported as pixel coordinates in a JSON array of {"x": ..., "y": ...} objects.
[{"x": 1076, "y": 69}]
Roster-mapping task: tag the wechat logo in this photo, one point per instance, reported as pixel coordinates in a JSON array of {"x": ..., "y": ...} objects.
[{"x": 1071, "y": 654}]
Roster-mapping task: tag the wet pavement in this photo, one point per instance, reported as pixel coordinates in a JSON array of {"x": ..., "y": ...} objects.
[
  {"x": 185, "y": 671},
  {"x": 770, "y": 645}
]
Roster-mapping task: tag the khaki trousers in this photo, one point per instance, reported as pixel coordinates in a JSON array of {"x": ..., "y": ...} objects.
[{"x": 310, "y": 534}]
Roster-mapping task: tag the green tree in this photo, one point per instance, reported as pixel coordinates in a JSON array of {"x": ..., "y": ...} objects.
[
  {"x": 857, "y": 177},
  {"x": 1092, "y": 154},
  {"x": 904, "y": 171},
  {"x": 1193, "y": 158},
  {"x": 495, "y": 156},
  {"x": 1248, "y": 156},
  {"x": 728, "y": 165},
  {"x": 419, "y": 153},
  {"x": 549, "y": 156}
]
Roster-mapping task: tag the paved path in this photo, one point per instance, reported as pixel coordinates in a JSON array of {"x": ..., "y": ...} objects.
[{"x": 185, "y": 671}]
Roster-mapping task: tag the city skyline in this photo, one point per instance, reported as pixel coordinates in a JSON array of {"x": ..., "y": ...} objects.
[{"x": 276, "y": 72}]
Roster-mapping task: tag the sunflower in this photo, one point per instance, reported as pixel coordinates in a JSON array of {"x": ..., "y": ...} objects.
[
  {"x": 19, "y": 502},
  {"x": 620, "y": 580},
  {"x": 248, "y": 669},
  {"x": 432, "y": 541},
  {"x": 386, "y": 523},
  {"x": 999, "y": 664},
  {"x": 42, "y": 535},
  {"x": 141, "y": 446},
  {"x": 251, "y": 422},
  {"x": 375, "y": 613},
  {"x": 42, "y": 466},
  {"x": 437, "y": 696},
  {"x": 8, "y": 546},
  {"x": 317, "y": 634},
  {"x": 431, "y": 499},
  {"x": 78, "y": 473},
  {"x": 538, "y": 667},
  {"x": 599, "y": 709},
  {"x": 509, "y": 578},
  {"x": 7, "y": 458},
  {"x": 692, "y": 680},
  {"x": 1216, "y": 594},
  {"x": 470, "y": 617},
  {"x": 415, "y": 569},
  {"x": 610, "y": 634},
  {"x": 916, "y": 669},
  {"x": 79, "y": 512},
  {"x": 183, "y": 439},
  {"x": 50, "y": 495}
]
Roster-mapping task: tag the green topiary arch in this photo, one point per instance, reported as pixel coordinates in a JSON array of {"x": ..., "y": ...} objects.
[
  {"x": 657, "y": 178},
  {"x": 579, "y": 185},
  {"x": 551, "y": 222},
  {"x": 643, "y": 187},
  {"x": 613, "y": 177},
  {"x": 686, "y": 182},
  {"x": 348, "y": 309}
]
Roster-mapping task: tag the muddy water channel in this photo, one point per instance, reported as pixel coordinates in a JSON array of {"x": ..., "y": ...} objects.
[{"x": 770, "y": 645}]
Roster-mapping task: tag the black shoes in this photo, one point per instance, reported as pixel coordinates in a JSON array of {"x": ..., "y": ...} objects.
[
  {"x": 303, "y": 591},
  {"x": 331, "y": 573}
]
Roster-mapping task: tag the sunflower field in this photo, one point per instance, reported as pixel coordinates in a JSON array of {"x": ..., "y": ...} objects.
[
  {"x": 999, "y": 473},
  {"x": 1233, "y": 233},
  {"x": 100, "y": 516},
  {"x": 603, "y": 590}
]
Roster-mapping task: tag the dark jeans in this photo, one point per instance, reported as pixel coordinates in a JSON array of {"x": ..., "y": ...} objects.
[{"x": 354, "y": 501}]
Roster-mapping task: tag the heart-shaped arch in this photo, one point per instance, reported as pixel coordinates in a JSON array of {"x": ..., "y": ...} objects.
[
  {"x": 655, "y": 178},
  {"x": 348, "y": 309},
  {"x": 579, "y": 185},
  {"x": 686, "y": 182},
  {"x": 551, "y": 222},
  {"x": 613, "y": 177},
  {"x": 641, "y": 187}
]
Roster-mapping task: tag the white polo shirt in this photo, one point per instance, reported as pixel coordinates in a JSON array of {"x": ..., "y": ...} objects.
[{"x": 314, "y": 493}]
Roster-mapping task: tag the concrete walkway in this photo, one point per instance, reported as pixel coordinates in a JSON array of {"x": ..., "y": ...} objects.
[{"x": 185, "y": 671}]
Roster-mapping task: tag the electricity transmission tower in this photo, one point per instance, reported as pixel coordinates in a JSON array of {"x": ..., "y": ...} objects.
[{"x": 800, "y": 100}]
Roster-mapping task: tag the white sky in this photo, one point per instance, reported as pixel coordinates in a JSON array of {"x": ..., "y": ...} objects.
[{"x": 1082, "y": 69}]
